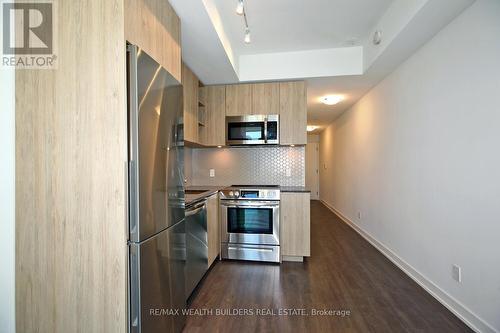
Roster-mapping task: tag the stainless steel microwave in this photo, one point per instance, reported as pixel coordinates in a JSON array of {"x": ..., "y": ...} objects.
[{"x": 252, "y": 130}]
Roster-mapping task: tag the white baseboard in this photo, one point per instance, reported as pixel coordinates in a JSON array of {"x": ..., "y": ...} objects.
[{"x": 458, "y": 309}]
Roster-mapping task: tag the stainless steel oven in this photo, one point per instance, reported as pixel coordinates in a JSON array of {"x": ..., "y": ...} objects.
[
  {"x": 250, "y": 224},
  {"x": 252, "y": 130}
]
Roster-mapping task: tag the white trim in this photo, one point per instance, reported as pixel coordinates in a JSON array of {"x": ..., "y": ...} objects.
[{"x": 458, "y": 309}]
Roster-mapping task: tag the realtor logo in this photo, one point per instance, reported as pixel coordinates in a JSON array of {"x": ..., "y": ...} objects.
[{"x": 28, "y": 34}]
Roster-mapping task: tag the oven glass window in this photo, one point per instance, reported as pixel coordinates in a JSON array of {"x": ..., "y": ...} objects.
[
  {"x": 246, "y": 131},
  {"x": 250, "y": 220},
  {"x": 272, "y": 130}
]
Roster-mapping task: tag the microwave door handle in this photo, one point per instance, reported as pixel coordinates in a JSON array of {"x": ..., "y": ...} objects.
[{"x": 265, "y": 130}]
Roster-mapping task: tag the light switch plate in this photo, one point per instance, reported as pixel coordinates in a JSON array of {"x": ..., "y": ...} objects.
[
  {"x": 456, "y": 273},
  {"x": 212, "y": 173}
]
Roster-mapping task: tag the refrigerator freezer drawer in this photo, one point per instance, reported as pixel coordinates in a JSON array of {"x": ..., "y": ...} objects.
[{"x": 157, "y": 282}]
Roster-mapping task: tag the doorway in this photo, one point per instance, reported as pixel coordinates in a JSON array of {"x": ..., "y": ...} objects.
[{"x": 312, "y": 169}]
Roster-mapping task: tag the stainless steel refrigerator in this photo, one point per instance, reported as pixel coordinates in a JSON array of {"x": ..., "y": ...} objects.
[{"x": 157, "y": 236}]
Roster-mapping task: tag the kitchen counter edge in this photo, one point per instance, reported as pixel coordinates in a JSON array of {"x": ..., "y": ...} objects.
[
  {"x": 191, "y": 199},
  {"x": 296, "y": 189}
]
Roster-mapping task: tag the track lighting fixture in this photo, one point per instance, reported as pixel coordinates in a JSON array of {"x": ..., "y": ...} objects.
[{"x": 240, "y": 9}]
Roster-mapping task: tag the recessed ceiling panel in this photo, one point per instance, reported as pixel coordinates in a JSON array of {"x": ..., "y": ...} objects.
[{"x": 294, "y": 25}]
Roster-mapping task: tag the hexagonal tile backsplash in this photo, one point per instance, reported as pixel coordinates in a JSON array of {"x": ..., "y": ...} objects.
[{"x": 249, "y": 166}]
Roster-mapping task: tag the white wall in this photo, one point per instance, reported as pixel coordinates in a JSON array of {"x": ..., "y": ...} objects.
[
  {"x": 300, "y": 64},
  {"x": 419, "y": 158},
  {"x": 7, "y": 202}
]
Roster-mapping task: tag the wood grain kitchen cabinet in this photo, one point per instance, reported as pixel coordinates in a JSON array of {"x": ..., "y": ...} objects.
[
  {"x": 71, "y": 252},
  {"x": 256, "y": 98},
  {"x": 213, "y": 229},
  {"x": 238, "y": 99},
  {"x": 84, "y": 223},
  {"x": 154, "y": 26},
  {"x": 295, "y": 224},
  {"x": 293, "y": 113},
  {"x": 266, "y": 98},
  {"x": 214, "y": 98},
  {"x": 190, "y": 85}
]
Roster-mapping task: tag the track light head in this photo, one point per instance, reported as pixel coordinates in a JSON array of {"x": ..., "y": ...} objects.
[
  {"x": 240, "y": 8},
  {"x": 247, "y": 36}
]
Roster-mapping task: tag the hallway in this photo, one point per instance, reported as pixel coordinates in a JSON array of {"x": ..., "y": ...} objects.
[{"x": 344, "y": 273}]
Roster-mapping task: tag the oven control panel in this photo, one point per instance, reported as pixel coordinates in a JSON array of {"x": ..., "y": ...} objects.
[{"x": 251, "y": 193}]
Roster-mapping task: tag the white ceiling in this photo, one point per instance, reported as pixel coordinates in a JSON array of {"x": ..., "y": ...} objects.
[
  {"x": 294, "y": 25},
  {"x": 311, "y": 40},
  {"x": 351, "y": 88}
]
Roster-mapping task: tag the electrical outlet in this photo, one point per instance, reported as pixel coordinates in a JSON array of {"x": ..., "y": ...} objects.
[
  {"x": 288, "y": 172},
  {"x": 212, "y": 173},
  {"x": 456, "y": 273}
]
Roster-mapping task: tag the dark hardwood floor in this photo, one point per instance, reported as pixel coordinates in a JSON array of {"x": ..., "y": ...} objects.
[{"x": 344, "y": 272}]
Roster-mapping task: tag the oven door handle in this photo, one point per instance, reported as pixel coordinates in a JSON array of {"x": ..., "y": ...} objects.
[
  {"x": 242, "y": 206},
  {"x": 250, "y": 205}
]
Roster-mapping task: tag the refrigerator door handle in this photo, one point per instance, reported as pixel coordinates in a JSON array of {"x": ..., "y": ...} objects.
[
  {"x": 133, "y": 203},
  {"x": 133, "y": 116},
  {"x": 135, "y": 292}
]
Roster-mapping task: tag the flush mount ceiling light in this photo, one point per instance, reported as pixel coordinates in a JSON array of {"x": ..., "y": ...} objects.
[
  {"x": 240, "y": 10},
  {"x": 332, "y": 99},
  {"x": 311, "y": 128}
]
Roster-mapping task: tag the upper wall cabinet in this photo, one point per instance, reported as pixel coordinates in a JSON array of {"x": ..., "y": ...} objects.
[
  {"x": 265, "y": 98},
  {"x": 154, "y": 26},
  {"x": 247, "y": 99},
  {"x": 238, "y": 100},
  {"x": 207, "y": 128},
  {"x": 213, "y": 132},
  {"x": 293, "y": 113},
  {"x": 190, "y": 85}
]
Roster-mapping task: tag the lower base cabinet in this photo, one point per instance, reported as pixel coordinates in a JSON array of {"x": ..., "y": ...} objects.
[
  {"x": 213, "y": 230},
  {"x": 295, "y": 225}
]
